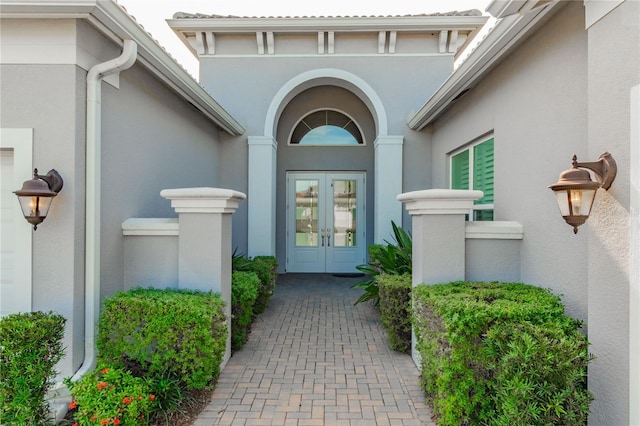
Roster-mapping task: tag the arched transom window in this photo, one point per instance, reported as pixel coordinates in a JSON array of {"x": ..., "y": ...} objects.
[{"x": 326, "y": 127}]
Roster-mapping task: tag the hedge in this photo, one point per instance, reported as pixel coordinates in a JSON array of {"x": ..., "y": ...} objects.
[
  {"x": 164, "y": 333},
  {"x": 500, "y": 354},
  {"x": 244, "y": 291},
  {"x": 265, "y": 267},
  {"x": 395, "y": 309},
  {"x": 30, "y": 347}
]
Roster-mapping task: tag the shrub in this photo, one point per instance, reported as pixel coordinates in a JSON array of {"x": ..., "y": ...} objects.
[
  {"x": 500, "y": 354},
  {"x": 244, "y": 291},
  {"x": 265, "y": 267},
  {"x": 110, "y": 396},
  {"x": 30, "y": 347},
  {"x": 395, "y": 309},
  {"x": 392, "y": 259},
  {"x": 164, "y": 333}
]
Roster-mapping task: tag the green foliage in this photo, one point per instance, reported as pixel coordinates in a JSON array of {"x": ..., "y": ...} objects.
[
  {"x": 395, "y": 309},
  {"x": 30, "y": 347},
  {"x": 164, "y": 333},
  {"x": 500, "y": 354},
  {"x": 110, "y": 396},
  {"x": 392, "y": 259},
  {"x": 265, "y": 267},
  {"x": 244, "y": 291}
]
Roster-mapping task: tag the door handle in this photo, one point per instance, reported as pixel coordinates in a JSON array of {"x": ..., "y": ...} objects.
[
  {"x": 322, "y": 236},
  {"x": 328, "y": 238}
]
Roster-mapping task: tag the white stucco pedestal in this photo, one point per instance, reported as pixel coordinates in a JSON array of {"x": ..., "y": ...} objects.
[
  {"x": 438, "y": 232},
  {"x": 204, "y": 243}
]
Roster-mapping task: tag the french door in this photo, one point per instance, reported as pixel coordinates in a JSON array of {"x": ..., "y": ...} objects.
[{"x": 325, "y": 221}]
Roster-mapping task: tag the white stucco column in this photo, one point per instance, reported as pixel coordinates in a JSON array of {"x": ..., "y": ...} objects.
[
  {"x": 262, "y": 196},
  {"x": 388, "y": 184},
  {"x": 438, "y": 231},
  {"x": 204, "y": 241}
]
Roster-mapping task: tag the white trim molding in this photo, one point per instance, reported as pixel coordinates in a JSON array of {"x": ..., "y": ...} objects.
[
  {"x": 634, "y": 281},
  {"x": 494, "y": 230},
  {"x": 20, "y": 141},
  {"x": 595, "y": 10},
  {"x": 151, "y": 227}
]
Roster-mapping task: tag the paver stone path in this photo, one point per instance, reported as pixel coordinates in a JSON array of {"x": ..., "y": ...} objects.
[{"x": 315, "y": 359}]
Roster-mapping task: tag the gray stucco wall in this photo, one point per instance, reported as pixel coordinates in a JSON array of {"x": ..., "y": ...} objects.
[
  {"x": 245, "y": 86},
  {"x": 47, "y": 98},
  {"x": 564, "y": 91},
  {"x": 152, "y": 140},
  {"x": 537, "y": 113},
  {"x": 614, "y": 67}
]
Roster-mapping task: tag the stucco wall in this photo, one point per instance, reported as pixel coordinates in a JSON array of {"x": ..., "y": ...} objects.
[
  {"x": 536, "y": 111},
  {"x": 152, "y": 140},
  {"x": 246, "y": 86},
  {"x": 614, "y": 68},
  {"x": 47, "y": 99},
  {"x": 564, "y": 91}
]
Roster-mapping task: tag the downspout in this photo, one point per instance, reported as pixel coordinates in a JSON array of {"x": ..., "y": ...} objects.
[{"x": 92, "y": 195}]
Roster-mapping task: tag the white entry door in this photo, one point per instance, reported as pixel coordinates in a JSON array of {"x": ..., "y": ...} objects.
[{"x": 325, "y": 221}]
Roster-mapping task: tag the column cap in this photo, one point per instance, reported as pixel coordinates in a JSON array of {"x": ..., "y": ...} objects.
[
  {"x": 440, "y": 201},
  {"x": 203, "y": 200}
]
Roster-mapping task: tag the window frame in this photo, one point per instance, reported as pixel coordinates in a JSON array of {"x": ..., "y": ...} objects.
[
  {"x": 469, "y": 147},
  {"x": 339, "y": 111}
]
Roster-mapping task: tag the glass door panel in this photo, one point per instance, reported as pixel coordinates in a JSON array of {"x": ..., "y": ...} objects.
[
  {"x": 344, "y": 213},
  {"x": 306, "y": 213}
]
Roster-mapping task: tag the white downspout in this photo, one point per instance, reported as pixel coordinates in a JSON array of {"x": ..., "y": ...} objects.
[
  {"x": 92, "y": 194},
  {"x": 58, "y": 397}
]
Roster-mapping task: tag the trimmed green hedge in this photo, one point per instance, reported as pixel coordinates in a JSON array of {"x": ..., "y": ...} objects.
[
  {"x": 244, "y": 291},
  {"x": 164, "y": 333},
  {"x": 30, "y": 347},
  {"x": 265, "y": 267},
  {"x": 395, "y": 309},
  {"x": 500, "y": 354}
]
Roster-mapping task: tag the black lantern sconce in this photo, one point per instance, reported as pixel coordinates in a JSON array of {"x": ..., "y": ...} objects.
[
  {"x": 36, "y": 195},
  {"x": 575, "y": 191}
]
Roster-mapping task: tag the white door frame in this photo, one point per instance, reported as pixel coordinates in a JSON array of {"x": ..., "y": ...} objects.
[
  {"x": 20, "y": 142},
  {"x": 323, "y": 255}
]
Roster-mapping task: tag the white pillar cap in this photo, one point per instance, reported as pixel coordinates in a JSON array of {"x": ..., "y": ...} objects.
[
  {"x": 440, "y": 201},
  {"x": 203, "y": 200}
]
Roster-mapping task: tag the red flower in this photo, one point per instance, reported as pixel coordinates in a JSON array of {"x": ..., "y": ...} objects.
[
  {"x": 116, "y": 421},
  {"x": 102, "y": 385},
  {"x": 104, "y": 421},
  {"x": 104, "y": 370},
  {"x": 127, "y": 400},
  {"x": 75, "y": 424},
  {"x": 152, "y": 397},
  {"x": 92, "y": 418},
  {"x": 72, "y": 405},
  {"x": 139, "y": 397}
]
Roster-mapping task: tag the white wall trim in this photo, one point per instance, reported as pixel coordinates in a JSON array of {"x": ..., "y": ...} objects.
[
  {"x": 634, "y": 280},
  {"x": 496, "y": 230},
  {"x": 151, "y": 227},
  {"x": 21, "y": 142},
  {"x": 320, "y": 77},
  {"x": 594, "y": 10}
]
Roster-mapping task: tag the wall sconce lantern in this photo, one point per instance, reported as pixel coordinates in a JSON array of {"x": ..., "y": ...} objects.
[
  {"x": 575, "y": 191},
  {"x": 36, "y": 195}
]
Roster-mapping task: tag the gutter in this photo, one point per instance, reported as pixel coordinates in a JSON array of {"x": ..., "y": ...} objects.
[
  {"x": 59, "y": 396},
  {"x": 93, "y": 194}
]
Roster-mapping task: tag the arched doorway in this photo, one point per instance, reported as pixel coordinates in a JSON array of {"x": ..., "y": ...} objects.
[{"x": 327, "y": 96}]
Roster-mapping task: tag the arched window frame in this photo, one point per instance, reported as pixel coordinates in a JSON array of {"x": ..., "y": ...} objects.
[{"x": 295, "y": 126}]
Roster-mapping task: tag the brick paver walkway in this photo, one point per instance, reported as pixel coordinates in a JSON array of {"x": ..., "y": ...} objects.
[{"x": 315, "y": 359}]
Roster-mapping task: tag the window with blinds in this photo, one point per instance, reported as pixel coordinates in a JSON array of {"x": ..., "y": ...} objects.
[{"x": 472, "y": 167}]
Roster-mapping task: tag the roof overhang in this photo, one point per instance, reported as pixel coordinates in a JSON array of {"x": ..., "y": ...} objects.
[
  {"x": 111, "y": 20},
  {"x": 468, "y": 23},
  {"x": 518, "y": 19}
]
